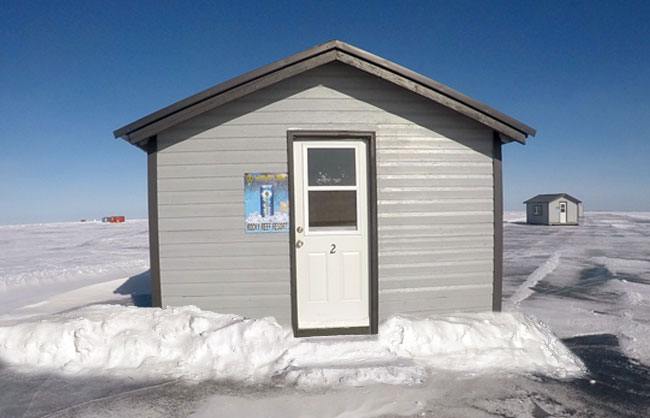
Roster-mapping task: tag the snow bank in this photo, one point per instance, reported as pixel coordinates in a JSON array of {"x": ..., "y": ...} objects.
[
  {"x": 187, "y": 342},
  {"x": 509, "y": 342},
  {"x": 514, "y": 216}
]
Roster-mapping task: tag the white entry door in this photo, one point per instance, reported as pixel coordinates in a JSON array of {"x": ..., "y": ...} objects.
[
  {"x": 330, "y": 191},
  {"x": 562, "y": 212}
]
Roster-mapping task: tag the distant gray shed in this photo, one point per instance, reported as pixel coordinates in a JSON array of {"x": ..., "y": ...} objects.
[
  {"x": 330, "y": 190},
  {"x": 553, "y": 209}
]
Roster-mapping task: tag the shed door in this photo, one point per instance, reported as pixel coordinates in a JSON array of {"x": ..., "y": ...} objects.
[
  {"x": 562, "y": 212},
  {"x": 330, "y": 189}
]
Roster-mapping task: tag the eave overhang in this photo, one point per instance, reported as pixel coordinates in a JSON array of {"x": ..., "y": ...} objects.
[{"x": 141, "y": 130}]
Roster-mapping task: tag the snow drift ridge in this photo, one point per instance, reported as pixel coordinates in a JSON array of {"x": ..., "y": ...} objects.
[{"x": 191, "y": 343}]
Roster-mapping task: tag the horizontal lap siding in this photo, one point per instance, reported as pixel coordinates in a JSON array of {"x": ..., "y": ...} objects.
[
  {"x": 426, "y": 281},
  {"x": 436, "y": 205},
  {"x": 436, "y": 231},
  {"x": 435, "y": 216},
  {"x": 443, "y": 300},
  {"x": 251, "y": 306},
  {"x": 212, "y": 170},
  {"x": 206, "y": 258},
  {"x": 434, "y": 197},
  {"x": 432, "y": 267},
  {"x": 227, "y": 275}
]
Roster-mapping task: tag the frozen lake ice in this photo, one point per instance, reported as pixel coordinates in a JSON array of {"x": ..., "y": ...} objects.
[{"x": 590, "y": 284}]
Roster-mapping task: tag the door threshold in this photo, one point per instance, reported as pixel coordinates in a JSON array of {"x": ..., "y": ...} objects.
[{"x": 327, "y": 332}]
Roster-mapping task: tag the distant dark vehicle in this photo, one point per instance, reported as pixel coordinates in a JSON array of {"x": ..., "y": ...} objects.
[{"x": 83, "y": 220}]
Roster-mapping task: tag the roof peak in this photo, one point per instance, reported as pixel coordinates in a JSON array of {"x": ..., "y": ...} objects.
[
  {"x": 139, "y": 131},
  {"x": 549, "y": 197}
]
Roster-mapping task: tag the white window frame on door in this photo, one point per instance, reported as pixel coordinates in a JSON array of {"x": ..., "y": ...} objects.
[{"x": 357, "y": 154}]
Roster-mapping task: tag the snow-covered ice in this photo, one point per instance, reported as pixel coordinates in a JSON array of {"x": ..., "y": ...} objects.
[
  {"x": 378, "y": 401},
  {"x": 62, "y": 355},
  {"x": 514, "y": 216},
  {"x": 589, "y": 279},
  {"x": 38, "y": 262}
]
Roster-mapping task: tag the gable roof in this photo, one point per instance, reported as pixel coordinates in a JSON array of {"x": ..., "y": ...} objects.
[
  {"x": 547, "y": 198},
  {"x": 141, "y": 130}
]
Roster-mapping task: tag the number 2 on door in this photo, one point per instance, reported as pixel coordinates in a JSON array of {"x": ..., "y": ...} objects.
[{"x": 333, "y": 249}]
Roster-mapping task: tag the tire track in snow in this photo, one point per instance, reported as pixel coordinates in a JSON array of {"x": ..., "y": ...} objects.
[
  {"x": 551, "y": 263},
  {"x": 526, "y": 288},
  {"x": 521, "y": 251}
]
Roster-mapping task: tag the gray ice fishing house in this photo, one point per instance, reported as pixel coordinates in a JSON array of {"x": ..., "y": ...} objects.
[
  {"x": 553, "y": 209},
  {"x": 330, "y": 190}
]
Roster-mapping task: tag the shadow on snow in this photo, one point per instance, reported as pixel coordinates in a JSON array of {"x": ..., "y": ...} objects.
[
  {"x": 139, "y": 287},
  {"x": 588, "y": 286},
  {"x": 619, "y": 380}
]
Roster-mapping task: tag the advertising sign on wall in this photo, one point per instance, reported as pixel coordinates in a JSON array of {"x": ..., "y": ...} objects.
[{"x": 266, "y": 197}]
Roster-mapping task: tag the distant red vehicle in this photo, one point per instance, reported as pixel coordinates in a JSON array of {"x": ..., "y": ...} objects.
[{"x": 113, "y": 219}]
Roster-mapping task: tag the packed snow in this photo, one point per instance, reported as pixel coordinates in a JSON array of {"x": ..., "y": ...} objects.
[
  {"x": 378, "y": 401},
  {"x": 191, "y": 343}
]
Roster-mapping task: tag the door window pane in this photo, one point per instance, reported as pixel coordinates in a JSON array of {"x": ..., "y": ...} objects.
[
  {"x": 333, "y": 210},
  {"x": 331, "y": 166}
]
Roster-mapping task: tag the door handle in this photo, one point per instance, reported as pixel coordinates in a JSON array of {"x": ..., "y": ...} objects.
[{"x": 299, "y": 244}]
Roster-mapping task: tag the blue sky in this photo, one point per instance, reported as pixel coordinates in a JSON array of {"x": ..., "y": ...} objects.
[{"x": 72, "y": 72}]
